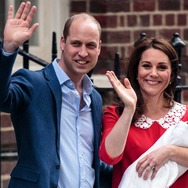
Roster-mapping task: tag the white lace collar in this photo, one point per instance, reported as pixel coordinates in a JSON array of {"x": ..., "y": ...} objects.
[{"x": 173, "y": 116}]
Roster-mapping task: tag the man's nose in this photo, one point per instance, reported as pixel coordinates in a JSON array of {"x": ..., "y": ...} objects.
[{"x": 83, "y": 51}]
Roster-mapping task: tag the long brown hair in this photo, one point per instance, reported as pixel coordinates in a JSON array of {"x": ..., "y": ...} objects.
[{"x": 165, "y": 46}]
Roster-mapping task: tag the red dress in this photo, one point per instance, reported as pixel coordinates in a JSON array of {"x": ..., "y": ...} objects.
[{"x": 142, "y": 135}]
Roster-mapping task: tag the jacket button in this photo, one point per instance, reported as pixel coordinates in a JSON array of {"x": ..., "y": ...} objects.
[{"x": 57, "y": 166}]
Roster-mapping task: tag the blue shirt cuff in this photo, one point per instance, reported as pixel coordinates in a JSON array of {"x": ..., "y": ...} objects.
[{"x": 8, "y": 54}]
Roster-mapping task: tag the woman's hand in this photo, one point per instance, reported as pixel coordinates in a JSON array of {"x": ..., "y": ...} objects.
[
  {"x": 125, "y": 92},
  {"x": 151, "y": 163},
  {"x": 116, "y": 139}
]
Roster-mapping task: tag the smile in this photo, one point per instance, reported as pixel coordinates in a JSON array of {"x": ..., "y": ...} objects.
[
  {"x": 152, "y": 82},
  {"x": 81, "y": 62}
]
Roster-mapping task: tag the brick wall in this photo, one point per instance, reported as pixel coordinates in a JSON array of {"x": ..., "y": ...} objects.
[
  {"x": 122, "y": 22},
  {"x": 8, "y": 144}
]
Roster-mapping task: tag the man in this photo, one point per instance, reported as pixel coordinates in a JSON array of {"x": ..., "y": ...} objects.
[{"x": 56, "y": 112}]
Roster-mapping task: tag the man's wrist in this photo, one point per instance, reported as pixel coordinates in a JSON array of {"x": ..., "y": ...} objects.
[
  {"x": 5, "y": 52},
  {"x": 9, "y": 47}
]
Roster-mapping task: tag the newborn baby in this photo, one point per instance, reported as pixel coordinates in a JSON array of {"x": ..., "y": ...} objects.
[{"x": 167, "y": 174}]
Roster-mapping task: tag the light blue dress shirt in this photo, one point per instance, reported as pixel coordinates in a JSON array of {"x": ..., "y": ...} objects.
[{"x": 76, "y": 134}]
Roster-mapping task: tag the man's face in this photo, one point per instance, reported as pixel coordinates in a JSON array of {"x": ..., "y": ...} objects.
[{"x": 81, "y": 49}]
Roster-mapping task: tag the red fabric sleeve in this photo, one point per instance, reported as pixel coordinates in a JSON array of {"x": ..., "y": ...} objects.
[{"x": 110, "y": 118}]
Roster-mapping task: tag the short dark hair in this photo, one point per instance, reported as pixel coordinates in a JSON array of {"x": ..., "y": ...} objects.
[{"x": 79, "y": 15}]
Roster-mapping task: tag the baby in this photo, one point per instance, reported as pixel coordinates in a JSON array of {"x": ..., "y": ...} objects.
[{"x": 167, "y": 174}]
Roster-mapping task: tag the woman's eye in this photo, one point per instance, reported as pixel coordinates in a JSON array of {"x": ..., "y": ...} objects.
[
  {"x": 162, "y": 67},
  {"x": 146, "y": 65}
]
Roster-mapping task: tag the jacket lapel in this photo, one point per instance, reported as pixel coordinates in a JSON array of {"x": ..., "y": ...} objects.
[{"x": 55, "y": 87}]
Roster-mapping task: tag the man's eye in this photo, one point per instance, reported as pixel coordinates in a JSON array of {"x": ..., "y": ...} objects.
[
  {"x": 91, "y": 46},
  {"x": 76, "y": 44}
]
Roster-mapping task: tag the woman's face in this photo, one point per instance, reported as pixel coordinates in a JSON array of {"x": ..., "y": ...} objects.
[{"x": 154, "y": 73}]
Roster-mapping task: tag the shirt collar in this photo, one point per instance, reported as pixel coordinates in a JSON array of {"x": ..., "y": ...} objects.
[{"x": 63, "y": 78}]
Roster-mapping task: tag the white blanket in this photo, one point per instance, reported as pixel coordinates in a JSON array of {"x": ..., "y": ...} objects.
[{"x": 167, "y": 174}]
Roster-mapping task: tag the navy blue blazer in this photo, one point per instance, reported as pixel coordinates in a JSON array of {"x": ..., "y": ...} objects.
[{"x": 33, "y": 98}]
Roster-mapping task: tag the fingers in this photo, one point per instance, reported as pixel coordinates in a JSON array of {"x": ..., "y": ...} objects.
[
  {"x": 113, "y": 79},
  {"x": 127, "y": 83},
  {"x": 124, "y": 91},
  {"x": 146, "y": 170},
  {"x": 17, "y": 28},
  {"x": 25, "y": 12},
  {"x": 33, "y": 28},
  {"x": 31, "y": 14},
  {"x": 20, "y": 10},
  {"x": 154, "y": 170},
  {"x": 141, "y": 167},
  {"x": 10, "y": 12}
]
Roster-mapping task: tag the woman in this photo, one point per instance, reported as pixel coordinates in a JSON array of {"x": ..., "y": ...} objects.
[{"x": 143, "y": 111}]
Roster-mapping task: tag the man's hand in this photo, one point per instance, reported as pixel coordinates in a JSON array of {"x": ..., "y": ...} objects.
[{"x": 17, "y": 30}]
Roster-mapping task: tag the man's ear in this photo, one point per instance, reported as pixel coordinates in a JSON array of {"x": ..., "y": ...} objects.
[
  {"x": 100, "y": 44},
  {"x": 62, "y": 43}
]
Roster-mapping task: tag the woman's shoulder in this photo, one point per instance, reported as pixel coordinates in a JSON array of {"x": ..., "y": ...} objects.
[
  {"x": 180, "y": 108},
  {"x": 110, "y": 111},
  {"x": 110, "y": 108}
]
